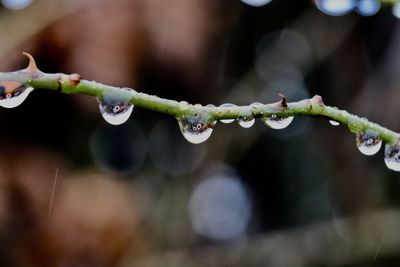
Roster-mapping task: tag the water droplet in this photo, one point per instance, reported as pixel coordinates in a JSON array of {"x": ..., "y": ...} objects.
[
  {"x": 368, "y": 143},
  {"x": 115, "y": 111},
  {"x": 276, "y": 122},
  {"x": 392, "y": 157},
  {"x": 335, "y": 7},
  {"x": 228, "y": 105},
  {"x": 14, "y": 98},
  {"x": 16, "y": 4},
  {"x": 396, "y": 10},
  {"x": 256, "y": 3},
  {"x": 334, "y": 123},
  {"x": 368, "y": 7},
  {"x": 246, "y": 122},
  {"x": 194, "y": 129}
]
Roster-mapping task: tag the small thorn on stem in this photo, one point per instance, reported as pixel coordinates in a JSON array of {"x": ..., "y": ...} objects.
[
  {"x": 75, "y": 79},
  {"x": 318, "y": 100},
  {"x": 283, "y": 101},
  {"x": 32, "y": 64}
]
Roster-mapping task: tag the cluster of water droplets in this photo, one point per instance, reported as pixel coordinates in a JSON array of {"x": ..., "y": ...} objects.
[
  {"x": 342, "y": 7},
  {"x": 114, "y": 110},
  {"x": 369, "y": 144},
  {"x": 15, "y": 97},
  {"x": 195, "y": 129}
]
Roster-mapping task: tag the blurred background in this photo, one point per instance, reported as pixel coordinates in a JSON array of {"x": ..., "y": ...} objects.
[{"x": 76, "y": 191}]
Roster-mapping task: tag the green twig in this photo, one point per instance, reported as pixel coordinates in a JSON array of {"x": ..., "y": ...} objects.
[{"x": 72, "y": 84}]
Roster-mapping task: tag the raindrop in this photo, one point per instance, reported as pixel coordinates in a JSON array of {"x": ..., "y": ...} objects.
[
  {"x": 194, "y": 129},
  {"x": 276, "y": 122},
  {"x": 115, "y": 111},
  {"x": 334, "y": 123},
  {"x": 396, "y": 10},
  {"x": 368, "y": 143},
  {"x": 228, "y": 105},
  {"x": 16, "y": 4},
  {"x": 335, "y": 7},
  {"x": 368, "y": 7},
  {"x": 256, "y": 3},
  {"x": 246, "y": 122},
  {"x": 14, "y": 98},
  {"x": 392, "y": 157}
]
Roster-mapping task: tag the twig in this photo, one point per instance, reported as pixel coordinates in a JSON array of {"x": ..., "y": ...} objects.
[{"x": 73, "y": 84}]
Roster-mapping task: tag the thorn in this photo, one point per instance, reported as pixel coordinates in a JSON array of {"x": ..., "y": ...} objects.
[
  {"x": 75, "y": 79},
  {"x": 32, "y": 64},
  {"x": 283, "y": 100},
  {"x": 318, "y": 100}
]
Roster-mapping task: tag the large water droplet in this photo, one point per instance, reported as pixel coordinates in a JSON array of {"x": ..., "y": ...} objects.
[
  {"x": 335, "y": 7},
  {"x": 368, "y": 7},
  {"x": 276, "y": 122},
  {"x": 14, "y": 98},
  {"x": 392, "y": 157},
  {"x": 368, "y": 143},
  {"x": 115, "y": 111},
  {"x": 246, "y": 122},
  {"x": 194, "y": 129},
  {"x": 228, "y": 105},
  {"x": 334, "y": 123}
]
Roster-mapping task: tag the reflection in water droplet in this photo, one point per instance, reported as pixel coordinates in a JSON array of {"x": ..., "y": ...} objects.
[
  {"x": 396, "y": 10},
  {"x": 15, "y": 97},
  {"x": 335, "y": 7},
  {"x": 276, "y": 122},
  {"x": 194, "y": 129},
  {"x": 246, "y": 122},
  {"x": 115, "y": 111},
  {"x": 368, "y": 143},
  {"x": 334, "y": 123},
  {"x": 392, "y": 157},
  {"x": 368, "y": 7},
  {"x": 228, "y": 105}
]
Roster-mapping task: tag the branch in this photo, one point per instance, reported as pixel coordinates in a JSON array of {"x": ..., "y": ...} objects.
[{"x": 197, "y": 120}]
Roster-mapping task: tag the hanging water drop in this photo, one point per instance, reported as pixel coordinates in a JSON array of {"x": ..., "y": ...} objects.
[
  {"x": 368, "y": 7},
  {"x": 334, "y": 123},
  {"x": 368, "y": 143},
  {"x": 276, "y": 122},
  {"x": 246, "y": 122},
  {"x": 392, "y": 157},
  {"x": 335, "y": 7},
  {"x": 228, "y": 105},
  {"x": 12, "y": 94},
  {"x": 396, "y": 10},
  {"x": 194, "y": 129},
  {"x": 115, "y": 111}
]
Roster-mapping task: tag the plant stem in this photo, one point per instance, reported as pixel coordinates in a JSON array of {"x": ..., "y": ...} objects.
[{"x": 72, "y": 84}]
